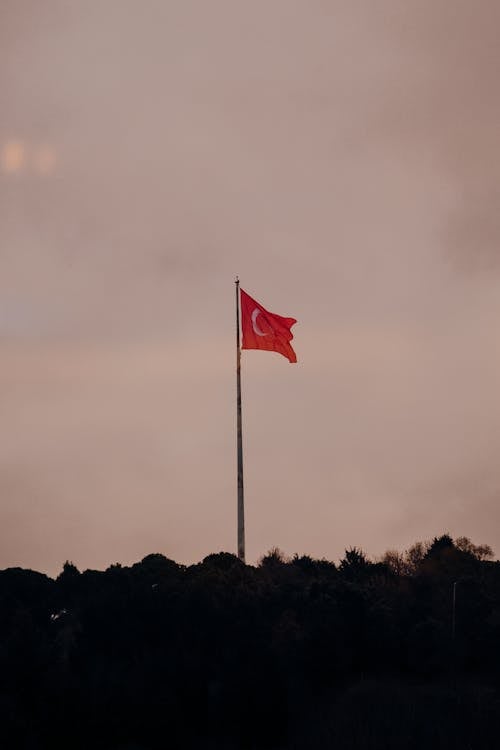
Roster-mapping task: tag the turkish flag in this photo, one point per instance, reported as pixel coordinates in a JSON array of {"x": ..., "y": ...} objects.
[{"x": 264, "y": 330}]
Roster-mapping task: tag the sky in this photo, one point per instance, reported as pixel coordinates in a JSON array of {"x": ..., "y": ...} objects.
[{"x": 341, "y": 157}]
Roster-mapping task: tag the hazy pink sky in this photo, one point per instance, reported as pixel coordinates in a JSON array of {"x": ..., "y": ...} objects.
[{"x": 341, "y": 156}]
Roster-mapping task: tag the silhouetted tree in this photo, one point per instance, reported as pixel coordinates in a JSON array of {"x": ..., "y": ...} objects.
[{"x": 294, "y": 653}]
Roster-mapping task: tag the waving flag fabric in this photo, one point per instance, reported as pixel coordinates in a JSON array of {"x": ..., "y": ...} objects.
[{"x": 264, "y": 330}]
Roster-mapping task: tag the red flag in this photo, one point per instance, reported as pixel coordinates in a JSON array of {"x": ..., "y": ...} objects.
[{"x": 264, "y": 330}]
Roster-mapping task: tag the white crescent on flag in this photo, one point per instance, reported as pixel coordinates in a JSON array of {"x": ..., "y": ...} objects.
[{"x": 255, "y": 326}]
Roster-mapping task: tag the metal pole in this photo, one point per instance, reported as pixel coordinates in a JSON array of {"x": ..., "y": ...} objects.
[
  {"x": 453, "y": 611},
  {"x": 241, "y": 508}
]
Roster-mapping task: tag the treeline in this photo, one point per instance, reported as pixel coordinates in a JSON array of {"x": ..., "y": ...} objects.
[{"x": 296, "y": 652}]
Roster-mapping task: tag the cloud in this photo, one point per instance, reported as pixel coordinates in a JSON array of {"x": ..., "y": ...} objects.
[
  {"x": 441, "y": 102},
  {"x": 339, "y": 157}
]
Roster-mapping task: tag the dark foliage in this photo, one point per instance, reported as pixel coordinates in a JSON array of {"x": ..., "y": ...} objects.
[{"x": 294, "y": 653}]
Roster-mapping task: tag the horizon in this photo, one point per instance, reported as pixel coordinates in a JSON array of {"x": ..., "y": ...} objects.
[{"x": 285, "y": 558}]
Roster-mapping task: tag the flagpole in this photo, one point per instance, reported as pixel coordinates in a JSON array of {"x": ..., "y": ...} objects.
[{"x": 239, "y": 431}]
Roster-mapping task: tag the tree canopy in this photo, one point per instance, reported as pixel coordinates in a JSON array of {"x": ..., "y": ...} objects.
[{"x": 292, "y": 653}]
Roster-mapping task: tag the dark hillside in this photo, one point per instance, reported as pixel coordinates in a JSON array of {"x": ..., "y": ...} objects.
[{"x": 295, "y": 653}]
